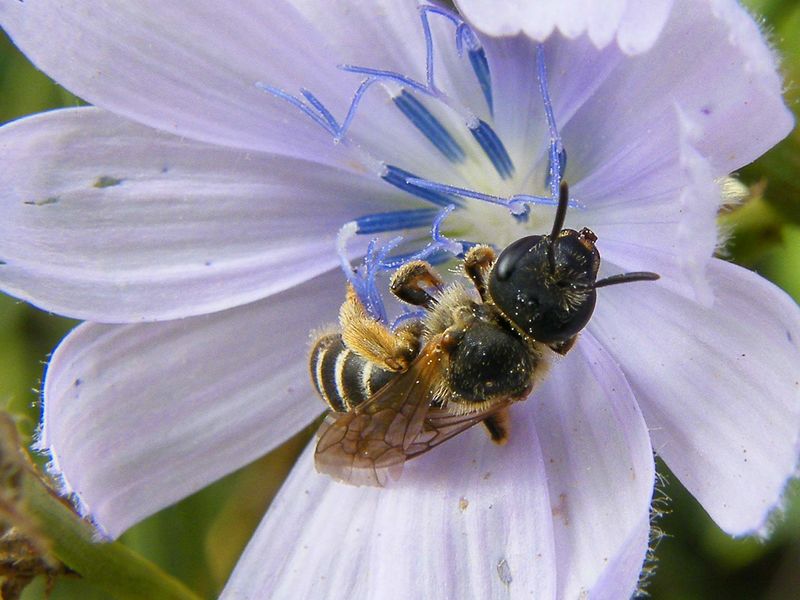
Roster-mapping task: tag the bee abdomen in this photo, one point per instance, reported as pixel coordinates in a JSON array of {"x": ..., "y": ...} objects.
[{"x": 341, "y": 377}]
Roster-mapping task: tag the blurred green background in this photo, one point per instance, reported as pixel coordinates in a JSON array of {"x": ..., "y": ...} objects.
[{"x": 199, "y": 539}]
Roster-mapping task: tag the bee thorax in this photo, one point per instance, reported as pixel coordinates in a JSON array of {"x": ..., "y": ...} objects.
[{"x": 490, "y": 362}]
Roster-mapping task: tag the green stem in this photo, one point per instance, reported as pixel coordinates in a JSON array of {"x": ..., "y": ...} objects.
[{"x": 107, "y": 565}]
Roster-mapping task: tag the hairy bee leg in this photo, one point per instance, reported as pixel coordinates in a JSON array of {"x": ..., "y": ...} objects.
[
  {"x": 498, "y": 425},
  {"x": 408, "y": 281},
  {"x": 373, "y": 341},
  {"x": 477, "y": 265},
  {"x": 563, "y": 347}
]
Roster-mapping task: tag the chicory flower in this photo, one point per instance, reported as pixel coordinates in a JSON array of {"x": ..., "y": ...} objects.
[{"x": 191, "y": 216}]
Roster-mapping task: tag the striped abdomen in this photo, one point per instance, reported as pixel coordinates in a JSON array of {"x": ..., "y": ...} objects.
[{"x": 341, "y": 377}]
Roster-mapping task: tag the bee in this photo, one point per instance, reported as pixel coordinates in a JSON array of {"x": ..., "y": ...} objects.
[{"x": 394, "y": 395}]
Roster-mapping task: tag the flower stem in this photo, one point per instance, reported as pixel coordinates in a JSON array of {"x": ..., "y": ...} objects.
[
  {"x": 110, "y": 565},
  {"x": 51, "y": 529}
]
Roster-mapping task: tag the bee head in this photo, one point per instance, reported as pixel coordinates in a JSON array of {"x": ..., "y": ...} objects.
[{"x": 545, "y": 284}]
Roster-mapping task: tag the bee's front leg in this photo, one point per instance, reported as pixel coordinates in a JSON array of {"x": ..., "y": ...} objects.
[
  {"x": 477, "y": 265},
  {"x": 412, "y": 281}
]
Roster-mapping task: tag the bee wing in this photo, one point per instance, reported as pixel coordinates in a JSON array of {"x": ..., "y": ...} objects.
[
  {"x": 441, "y": 424},
  {"x": 366, "y": 445}
]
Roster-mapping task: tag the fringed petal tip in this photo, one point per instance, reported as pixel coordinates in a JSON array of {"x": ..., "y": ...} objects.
[
  {"x": 750, "y": 34},
  {"x": 776, "y": 516},
  {"x": 66, "y": 491},
  {"x": 760, "y": 113},
  {"x": 634, "y": 26}
]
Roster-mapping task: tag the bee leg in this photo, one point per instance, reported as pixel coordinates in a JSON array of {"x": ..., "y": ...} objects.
[
  {"x": 563, "y": 347},
  {"x": 408, "y": 281},
  {"x": 498, "y": 425},
  {"x": 477, "y": 265},
  {"x": 373, "y": 341}
]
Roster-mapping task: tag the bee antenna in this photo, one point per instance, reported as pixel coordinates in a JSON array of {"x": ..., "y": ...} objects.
[
  {"x": 626, "y": 278},
  {"x": 558, "y": 223}
]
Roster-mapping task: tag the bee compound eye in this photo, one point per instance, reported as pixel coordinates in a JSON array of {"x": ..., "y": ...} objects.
[
  {"x": 512, "y": 255},
  {"x": 557, "y": 324}
]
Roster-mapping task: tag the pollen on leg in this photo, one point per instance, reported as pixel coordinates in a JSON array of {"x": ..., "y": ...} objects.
[
  {"x": 371, "y": 339},
  {"x": 411, "y": 282}
]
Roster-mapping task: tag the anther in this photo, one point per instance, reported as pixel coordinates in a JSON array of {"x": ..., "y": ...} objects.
[
  {"x": 395, "y": 220},
  {"x": 399, "y": 178},
  {"x": 464, "y": 37},
  {"x": 493, "y": 147},
  {"x": 477, "y": 59},
  {"x": 429, "y": 126}
]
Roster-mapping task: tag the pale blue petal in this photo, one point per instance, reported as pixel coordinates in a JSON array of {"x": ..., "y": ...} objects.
[
  {"x": 105, "y": 220},
  {"x": 191, "y": 67},
  {"x": 136, "y": 417},
  {"x": 718, "y": 386},
  {"x": 560, "y": 509}
]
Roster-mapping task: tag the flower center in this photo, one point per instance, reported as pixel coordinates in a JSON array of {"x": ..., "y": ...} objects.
[{"x": 473, "y": 214}]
